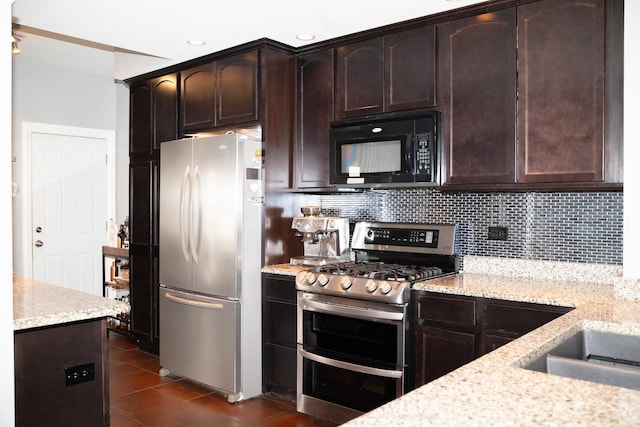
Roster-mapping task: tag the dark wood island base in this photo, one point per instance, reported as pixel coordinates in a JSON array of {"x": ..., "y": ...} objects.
[{"x": 62, "y": 374}]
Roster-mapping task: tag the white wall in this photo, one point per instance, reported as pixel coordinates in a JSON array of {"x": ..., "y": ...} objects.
[
  {"x": 122, "y": 152},
  {"x": 47, "y": 90},
  {"x": 7, "y": 411}
]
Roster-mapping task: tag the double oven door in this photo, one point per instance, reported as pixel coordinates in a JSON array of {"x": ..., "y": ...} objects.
[{"x": 351, "y": 355}]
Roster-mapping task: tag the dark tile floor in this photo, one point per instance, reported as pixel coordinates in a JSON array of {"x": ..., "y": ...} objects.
[{"x": 140, "y": 397}]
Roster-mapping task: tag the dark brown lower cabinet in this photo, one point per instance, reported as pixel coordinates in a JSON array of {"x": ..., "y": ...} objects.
[
  {"x": 440, "y": 351},
  {"x": 145, "y": 310},
  {"x": 504, "y": 321},
  {"x": 144, "y": 187},
  {"x": 452, "y": 330},
  {"x": 491, "y": 342},
  {"x": 46, "y": 362},
  {"x": 446, "y": 334},
  {"x": 279, "y": 311}
]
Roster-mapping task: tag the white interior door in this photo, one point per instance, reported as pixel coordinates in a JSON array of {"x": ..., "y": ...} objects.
[{"x": 69, "y": 192}]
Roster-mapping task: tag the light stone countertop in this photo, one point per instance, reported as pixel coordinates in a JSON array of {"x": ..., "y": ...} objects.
[
  {"x": 284, "y": 269},
  {"x": 37, "y": 304},
  {"x": 494, "y": 389}
]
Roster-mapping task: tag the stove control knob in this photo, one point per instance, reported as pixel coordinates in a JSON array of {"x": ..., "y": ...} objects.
[
  {"x": 385, "y": 288},
  {"x": 323, "y": 280},
  {"x": 371, "y": 286},
  {"x": 305, "y": 278},
  {"x": 345, "y": 283}
]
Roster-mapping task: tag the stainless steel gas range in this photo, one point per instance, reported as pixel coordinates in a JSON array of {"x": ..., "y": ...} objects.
[{"x": 352, "y": 317}]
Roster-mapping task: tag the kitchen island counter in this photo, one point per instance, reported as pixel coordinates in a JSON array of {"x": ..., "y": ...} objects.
[
  {"x": 494, "y": 389},
  {"x": 37, "y": 304},
  {"x": 61, "y": 354}
]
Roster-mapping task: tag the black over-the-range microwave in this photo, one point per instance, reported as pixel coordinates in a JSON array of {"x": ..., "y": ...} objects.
[{"x": 389, "y": 150}]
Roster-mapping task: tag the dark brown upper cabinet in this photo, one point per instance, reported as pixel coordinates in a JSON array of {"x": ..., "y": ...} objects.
[
  {"x": 140, "y": 119},
  {"x": 237, "y": 89},
  {"x": 390, "y": 73},
  {"x": 409, "y": 69},
  {"x": 315, "y": 112},
  {"x": 359, "y": 79},
  {"x": 559, "y": 127},
  {"x": 224, "y": 92},
  {"x": 478, "y": 98},
  {"x": 153, "y": 114},
  {"x": 561, "y": 91},
  {"x": 198, "y": 97}
]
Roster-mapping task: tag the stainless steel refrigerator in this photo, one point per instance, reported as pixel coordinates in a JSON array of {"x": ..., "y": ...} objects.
[{"x": 210, "y": 258}]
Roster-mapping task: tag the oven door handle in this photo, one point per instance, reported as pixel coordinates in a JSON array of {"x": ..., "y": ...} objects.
[
  {"x": 350, "y": 366},
  {"x": 351, "y": 311}
]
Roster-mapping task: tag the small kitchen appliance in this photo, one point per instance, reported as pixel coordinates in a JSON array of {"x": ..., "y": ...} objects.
[
  {"x": 325, "y": 238},
  {"x": 397, "y": 149},
  {"x": 352, "y": 317}
]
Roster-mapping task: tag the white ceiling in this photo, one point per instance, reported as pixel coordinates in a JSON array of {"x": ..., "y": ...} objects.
[{"x": 146, "y": 35}]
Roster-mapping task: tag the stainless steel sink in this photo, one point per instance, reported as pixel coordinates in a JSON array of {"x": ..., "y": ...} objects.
[{"x": 601, "y": 357}]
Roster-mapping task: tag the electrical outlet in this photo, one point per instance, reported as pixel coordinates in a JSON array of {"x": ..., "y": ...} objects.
[
  {"x": 79, "y": 374},
  {"x": 497, "y": 233}
]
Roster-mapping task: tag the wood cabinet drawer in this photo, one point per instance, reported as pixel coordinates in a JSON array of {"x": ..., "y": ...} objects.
[
  {"x": 519, "y": 319},
  {"x": 447, "y": 309},
  {"x": 280, "y": 288}
]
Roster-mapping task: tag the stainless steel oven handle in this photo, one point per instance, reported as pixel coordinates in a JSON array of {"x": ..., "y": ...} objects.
[
  {"x": 350, "y": 366},
  {"x": 353, "y": 311}
]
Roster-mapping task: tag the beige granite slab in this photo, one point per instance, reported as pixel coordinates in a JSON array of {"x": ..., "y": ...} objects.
[
  {"x": 541, "y": 291},
  {"x": 284, "y": 269},
  {"x": 37, "y": 304},
  {"x": 494, "y": 389}
]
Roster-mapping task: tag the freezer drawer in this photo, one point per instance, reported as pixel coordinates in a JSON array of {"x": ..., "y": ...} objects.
[{"x": 200, "y": 338}]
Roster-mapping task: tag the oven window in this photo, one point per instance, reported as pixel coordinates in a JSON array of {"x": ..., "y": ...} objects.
[
  {"x": 365, "y": 342},
  {"x": 362, "y": 392}
]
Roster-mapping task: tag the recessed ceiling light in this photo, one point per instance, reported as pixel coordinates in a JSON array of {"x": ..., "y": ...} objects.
[
  {"x": 196, "y": 42},
  {"x": 305, "y": 37}
]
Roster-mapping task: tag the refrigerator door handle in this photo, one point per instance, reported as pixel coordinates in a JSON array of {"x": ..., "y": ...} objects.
[
  {"x": 194, "y": 303},
  {"x": 181, "y": 217},
  {"x": 194, "y": 222}
]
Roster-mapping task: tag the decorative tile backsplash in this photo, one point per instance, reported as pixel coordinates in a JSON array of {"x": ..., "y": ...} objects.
[{"x": 573, "y": 227}]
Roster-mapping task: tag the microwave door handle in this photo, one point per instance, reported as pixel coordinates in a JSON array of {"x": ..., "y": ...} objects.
[
  {"x": 350, "y": 366},
  {"x": 181, "y": 215}
]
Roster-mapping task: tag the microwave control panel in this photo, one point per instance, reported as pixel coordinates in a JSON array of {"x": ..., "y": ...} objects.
[{"x": 424, "y": 154}]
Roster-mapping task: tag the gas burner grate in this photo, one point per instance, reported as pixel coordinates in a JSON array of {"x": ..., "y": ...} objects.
[{"x": 381, "y": 271}]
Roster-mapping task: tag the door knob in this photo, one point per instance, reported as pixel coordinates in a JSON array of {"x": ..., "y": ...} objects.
[
  {"x": 39, "y": 243},
  {"x": 38, "y": 229}
]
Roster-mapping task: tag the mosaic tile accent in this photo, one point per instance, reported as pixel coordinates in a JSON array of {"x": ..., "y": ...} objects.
[{"x": 573, "y": 227}]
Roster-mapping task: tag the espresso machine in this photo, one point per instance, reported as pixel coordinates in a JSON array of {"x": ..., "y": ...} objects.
[{"x": 325, "y": 238}]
